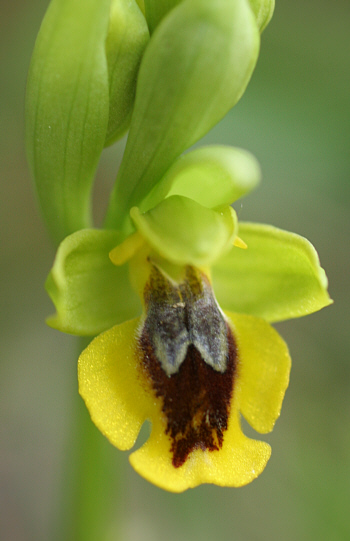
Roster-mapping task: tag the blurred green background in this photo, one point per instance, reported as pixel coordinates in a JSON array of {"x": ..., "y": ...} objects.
[{"x": 295, "y": 118}]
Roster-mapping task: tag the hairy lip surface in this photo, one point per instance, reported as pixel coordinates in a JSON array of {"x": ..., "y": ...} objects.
[{"x": 189, "y": 356}]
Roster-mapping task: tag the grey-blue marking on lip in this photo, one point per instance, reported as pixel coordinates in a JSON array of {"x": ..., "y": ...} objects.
[
  {"x": 182, "y": 314},
  {"x": 206, "y": 323}
]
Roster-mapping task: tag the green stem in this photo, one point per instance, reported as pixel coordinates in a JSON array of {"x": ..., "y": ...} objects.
[{"x": 90, "y": 482}]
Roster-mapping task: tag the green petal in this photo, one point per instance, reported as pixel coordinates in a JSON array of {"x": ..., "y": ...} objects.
[
  {"x": 212, "y": 176},
  {"x": 67, "y": 110},
  {"x": 263, "y": 11},
  {"x": 126, "y": 41},
  {"x": 89, "y": 292},
  {"x": 186, "y": 233},
  {"x": 155, "y": 10},
  {"x": 276, "y": 278},
  {"x": 194, "y": 70}
]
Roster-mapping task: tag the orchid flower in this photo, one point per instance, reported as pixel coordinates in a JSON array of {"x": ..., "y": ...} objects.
[{"x": 179, "y": 294}]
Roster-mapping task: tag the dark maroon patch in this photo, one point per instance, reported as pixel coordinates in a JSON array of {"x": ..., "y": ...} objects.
[{"x": 196, "y": 399}]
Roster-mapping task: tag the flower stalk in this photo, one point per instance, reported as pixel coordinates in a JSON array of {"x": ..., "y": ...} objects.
[{"x": 91, "y": 482}]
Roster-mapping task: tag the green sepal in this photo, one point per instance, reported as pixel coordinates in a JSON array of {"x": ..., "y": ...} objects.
[
  {"x": 126, "y": 41},
  {"x": 186, "y": 233},
  {"x": 155, "y": 10},
  {"x": 277, "y": 277},
  {"x": 67, "y": 110},
  {"x": 194, "y": 70},
  {"x": 212, "y": 176},
  {"x": 263, "y": 11},
  {"x": 90, "y": 294}
]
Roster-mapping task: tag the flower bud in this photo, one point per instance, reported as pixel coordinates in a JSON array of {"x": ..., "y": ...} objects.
[
  {"x": 263, "y": 11},
  {"x": 67, "y": 107},
  {"x": 126, "y": 40},
  {"x": 155, "y": 10},
  {"x": 195, "y": 69}
]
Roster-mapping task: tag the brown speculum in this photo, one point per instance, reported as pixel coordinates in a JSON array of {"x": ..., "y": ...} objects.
[{"x": 189, "y": 355}]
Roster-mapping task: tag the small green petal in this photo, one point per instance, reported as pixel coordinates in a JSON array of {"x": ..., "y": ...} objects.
[
  {"x": 186, "y": 233},
  {"x": 212, "y": 176},
  {"x": 278, "y": 277},
  {"x": 263, "y": 11},
  {"x": 89, "y": 292},
  {"x": 67, "y": 110},
  {"x": 126, "y": 41},
  {"x": 194, "y": 70},
  {"x": 155, "y": 10}
]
